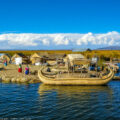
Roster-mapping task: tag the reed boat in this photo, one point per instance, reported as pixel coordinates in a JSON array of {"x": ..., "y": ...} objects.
[{"x": 71, "y": 79}]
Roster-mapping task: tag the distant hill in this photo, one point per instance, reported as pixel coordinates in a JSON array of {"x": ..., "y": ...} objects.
[{"x": 110, "y": 48}]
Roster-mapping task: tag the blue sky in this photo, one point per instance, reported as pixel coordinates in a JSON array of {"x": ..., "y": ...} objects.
[{"x": 45, "y": 17}]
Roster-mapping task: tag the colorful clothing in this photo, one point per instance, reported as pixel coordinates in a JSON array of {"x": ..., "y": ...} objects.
[
  {"x": 27, "y": 70},
  {"x": 5, "y": 62},
  {"x": 20, "y": 68}
]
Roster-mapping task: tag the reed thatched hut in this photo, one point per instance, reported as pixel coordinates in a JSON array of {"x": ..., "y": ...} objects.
[
  {"x": 55, "y": 58},
  {"x": 73, "y": 57},
  {"x": 5, "y": 56},
  {"x": 76, "y": 61},
  {"x": 25, "y": 59},
  {"x": 38, "y": 58}
]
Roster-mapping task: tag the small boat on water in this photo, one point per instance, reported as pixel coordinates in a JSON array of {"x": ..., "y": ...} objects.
[{"x": 74, "y": 78}]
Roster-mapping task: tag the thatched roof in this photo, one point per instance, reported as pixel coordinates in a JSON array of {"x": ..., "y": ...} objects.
[
  {"x": 56, "y": 56},
  {"x": 81, "y": 62},
  {"x": 1, "y": 54},
  {"x": 24, "y": 57},
  {"x": 47, "y": 56},
  {"x": 77, "y": 59},
  {"x": 5, "y": 54},
  {"x": 20, "y": 55},
  {"x": 72, "y": 57},
  {"x": 43, "y": 54},
  {"x": 39, "y": 55}
]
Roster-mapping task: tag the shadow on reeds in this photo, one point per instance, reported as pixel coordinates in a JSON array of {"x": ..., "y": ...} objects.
[{"x": 2, "y": 68}]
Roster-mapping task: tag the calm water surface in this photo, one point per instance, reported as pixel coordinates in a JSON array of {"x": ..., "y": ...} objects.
[{"x": 38, "y": 101}]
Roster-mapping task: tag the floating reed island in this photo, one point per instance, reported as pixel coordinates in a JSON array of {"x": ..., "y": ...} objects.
[
  {"x": 10, "y": 74},
  {"x": 72, "y": 65}
]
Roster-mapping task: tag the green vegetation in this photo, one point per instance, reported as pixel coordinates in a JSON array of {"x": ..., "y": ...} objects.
[
  {"x": 104, "y": 55},
  {"x": 30, "y": 52},
  {"x": 100, "y": 62}
]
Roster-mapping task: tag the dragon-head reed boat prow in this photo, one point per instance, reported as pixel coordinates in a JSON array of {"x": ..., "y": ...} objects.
[{"x": 74, "y": 78}]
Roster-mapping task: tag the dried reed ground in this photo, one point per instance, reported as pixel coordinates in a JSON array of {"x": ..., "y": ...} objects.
[{"x": 11, "y": 71}]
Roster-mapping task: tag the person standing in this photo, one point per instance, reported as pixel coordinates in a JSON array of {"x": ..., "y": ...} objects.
[
  {"x": 20, "y": 68},
  {"x": 27, "y": 70},
  {"x": 5, "y": 62}
]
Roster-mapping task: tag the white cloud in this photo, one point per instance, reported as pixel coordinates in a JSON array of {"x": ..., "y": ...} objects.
[{"x": 30, "y": 39}]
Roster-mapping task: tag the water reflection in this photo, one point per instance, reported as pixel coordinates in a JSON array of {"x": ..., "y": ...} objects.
[
  {"x": 69, "y": 90},
  {"x": 44, "y": 102},
  {"x": 83, "y": 102}
]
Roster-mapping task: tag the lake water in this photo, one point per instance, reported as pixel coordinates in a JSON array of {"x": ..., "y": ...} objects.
[{"x": 38, "y": 101}]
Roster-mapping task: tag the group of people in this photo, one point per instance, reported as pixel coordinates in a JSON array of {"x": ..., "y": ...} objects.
[
  {"x": 20, "y": 67},
  {"x": 26, "y": 69}
]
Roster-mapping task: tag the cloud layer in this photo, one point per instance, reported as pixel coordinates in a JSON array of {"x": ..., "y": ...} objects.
[{"x": 58, "y": 39}]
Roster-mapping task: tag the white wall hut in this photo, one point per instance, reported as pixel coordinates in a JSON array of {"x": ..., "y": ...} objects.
[{"x": 25, "y": 59}]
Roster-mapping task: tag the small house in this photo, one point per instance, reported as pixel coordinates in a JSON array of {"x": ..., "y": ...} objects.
[
  {"x": 95, "y": 59},
  {"x": 5, "y": 56},
  {"x": 76, "y": 61},
  {"x": 73, "y": 57},
  {"x": 24, "y": 59},
  {"x": 38, "y": 58},
  {"x": 55, "y": 59}
]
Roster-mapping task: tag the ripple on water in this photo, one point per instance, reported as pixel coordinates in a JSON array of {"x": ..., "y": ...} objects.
[{"x": 38, "y": 101}]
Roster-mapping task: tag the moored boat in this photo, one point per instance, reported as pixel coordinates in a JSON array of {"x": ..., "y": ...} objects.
[{"x": 71, "y": 79}]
